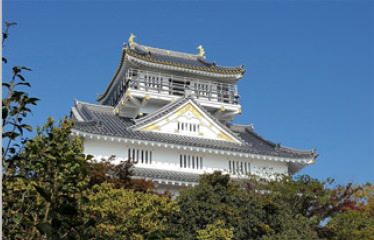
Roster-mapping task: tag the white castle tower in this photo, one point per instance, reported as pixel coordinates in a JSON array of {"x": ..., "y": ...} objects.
[{"x": 168, "y": 112}]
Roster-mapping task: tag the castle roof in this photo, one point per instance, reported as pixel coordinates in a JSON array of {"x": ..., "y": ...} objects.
[
  {"x": 169, "y": 108},
  {"x": 101, "y": 120},
  {"x": 179, "y": 59},
  {"x": 174, "y": 176},
  {"x": 134, "y": 54}
]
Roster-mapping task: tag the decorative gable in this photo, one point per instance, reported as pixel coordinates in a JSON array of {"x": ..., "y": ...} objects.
[{"x": 188, "y": 120}]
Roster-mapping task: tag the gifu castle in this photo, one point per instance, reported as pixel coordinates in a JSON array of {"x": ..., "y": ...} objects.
[{"x": 168, "y": 112}]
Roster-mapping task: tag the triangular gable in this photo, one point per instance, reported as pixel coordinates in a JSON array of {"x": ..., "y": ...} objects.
[{"x": 187, "y": 119}]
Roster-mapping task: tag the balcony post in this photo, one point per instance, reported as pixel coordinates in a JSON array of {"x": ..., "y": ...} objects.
[
  {"x": 197, "y": 89},
  {"x": 210, "y": 91}
]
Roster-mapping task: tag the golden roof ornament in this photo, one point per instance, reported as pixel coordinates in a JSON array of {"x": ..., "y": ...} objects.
[
  {"x": 202, "y": 52},
  {"x": 131, "y": 39}
]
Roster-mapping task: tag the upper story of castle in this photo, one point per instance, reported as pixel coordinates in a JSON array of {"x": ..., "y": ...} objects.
[{"x": 149, "y": 78}]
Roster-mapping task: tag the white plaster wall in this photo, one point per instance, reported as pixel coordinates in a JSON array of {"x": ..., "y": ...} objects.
[
  {"x": 169, "y": 159},
  {"x": 105, "y": 148},
  {"x": 268, "y": 168},
  {"x": 151, "y": 107}
]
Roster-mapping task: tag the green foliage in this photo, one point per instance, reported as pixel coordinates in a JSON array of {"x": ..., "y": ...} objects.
[
  {"x": 316, "y": 200},
  {"x": 216, "y": 231},
  {"x": 249, "y": 214},
  {"x": 352, "y": 225},
  {"x": 15, "y": 107},
  {"x": 42, "y": 195},
  {"x": 365, "y": 198},
  {"x": 128, "y": 214},
  {"x": 295, "y": 228}
]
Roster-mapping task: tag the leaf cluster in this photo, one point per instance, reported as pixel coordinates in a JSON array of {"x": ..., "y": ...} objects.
[
  {"x": 45, "y": 190},
  {"x": 119, "y": 175},
  {"x": 128, "y": 214},
  {"x": 15, "y": 107},
  {"x": 249, "y": 215}
]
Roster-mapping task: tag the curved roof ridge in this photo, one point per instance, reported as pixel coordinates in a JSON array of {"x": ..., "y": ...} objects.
[
  {"x": 279, "y": 145},
  {"x": 98, "y": 106},
  {"x": 251, "y": 131},
  {"x": 312, "y": 151},
  {"x": 165, "y": 51},
  {"x": 101, "y": 96},
  {"x": 160, "y": 110},
  {"x": 85, "y": 107},
  {"x": 242, "y": 125},
  {"x": 180, "y": 59}
]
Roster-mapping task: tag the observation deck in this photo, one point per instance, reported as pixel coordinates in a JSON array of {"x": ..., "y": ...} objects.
[{"x": 143, "y": 91}]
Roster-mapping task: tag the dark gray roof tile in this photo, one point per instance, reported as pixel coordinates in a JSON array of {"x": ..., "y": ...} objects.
[
  {"x": 165, "y": 174},
  {"x": 107, "y": 123},
  {"x": 179, "y": 59}
]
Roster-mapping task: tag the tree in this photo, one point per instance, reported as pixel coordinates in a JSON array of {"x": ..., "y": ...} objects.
[
  {"x": 119, "y": 174},
  {"x": 352, "y": 225},
  {"x": 44, "y": 197},
  {"x": 128, "y": 214},
  {"x": 249, "y": 215},
  {"x": 216, "y": 231},
  {"x": 355, "y": 221},
  {"x": 315, "y": 200},
  {"x": 15, "y": 107},
  {"x": 364, "y": 196}
]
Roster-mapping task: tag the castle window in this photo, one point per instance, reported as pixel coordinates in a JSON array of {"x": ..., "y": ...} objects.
[
  {"x": 188, "y": 127},
  {"x": 152, "y": 82},
  {"x": 201, "y": 89},
  {"x": 177, "y": 87},
  {"x": 140, "y": 155},
  {"x": 239, "y": 167},
  {"x": 190, "y": 161}
]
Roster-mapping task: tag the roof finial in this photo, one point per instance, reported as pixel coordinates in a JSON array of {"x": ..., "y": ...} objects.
[
  {"x": 202, "y": 52},
  {"x": 131, "y": 39}
]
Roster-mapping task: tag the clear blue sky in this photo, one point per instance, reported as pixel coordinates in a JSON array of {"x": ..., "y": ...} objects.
[{"x": 309, "y": 80}]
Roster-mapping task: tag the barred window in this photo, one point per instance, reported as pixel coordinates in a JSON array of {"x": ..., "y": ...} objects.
[
  {"x": 188, "y": 127},
  {"x": 239, "y": 167},
  {"x": 202, "y": 89},
  {"x": 140, "y": 156},
  {"x": 152, "y": 81},
  {"x": 190, "y": 161}
]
